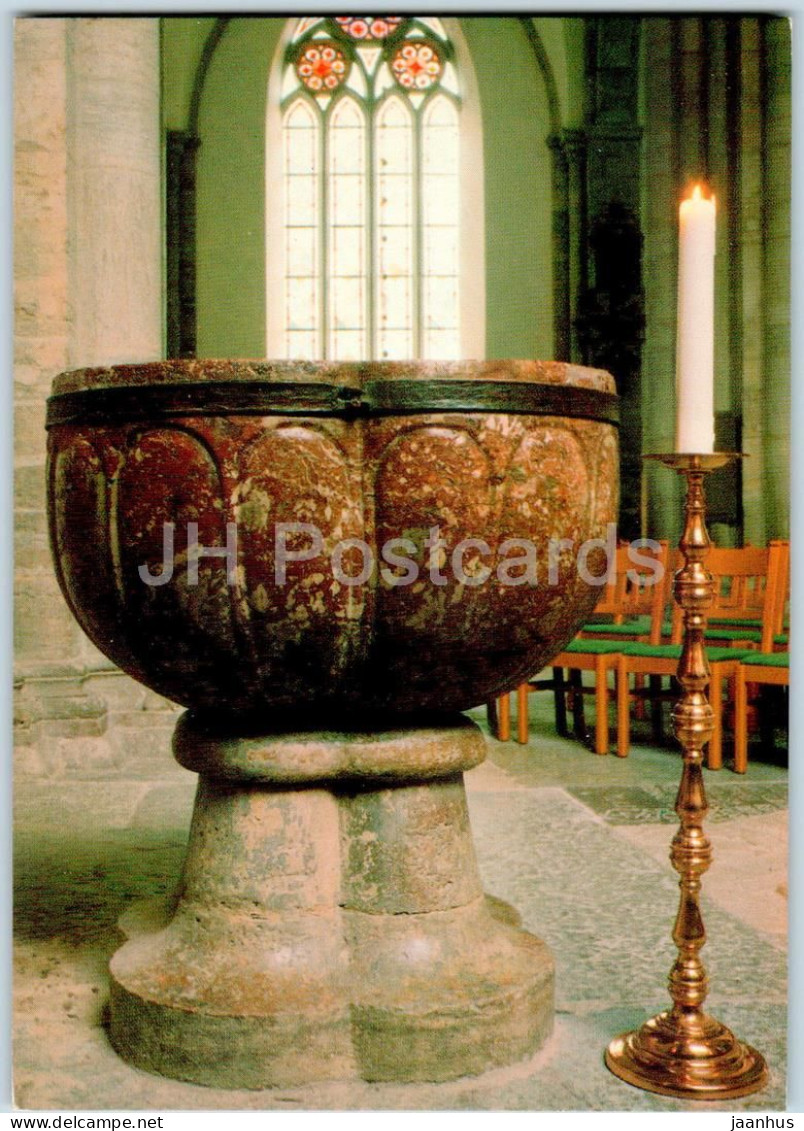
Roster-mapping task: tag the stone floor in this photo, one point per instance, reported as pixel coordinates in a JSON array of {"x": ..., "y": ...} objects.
[{"x": 578, "y": 843}]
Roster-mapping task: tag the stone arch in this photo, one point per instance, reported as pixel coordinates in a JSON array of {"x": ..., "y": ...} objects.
[
  {"x": 208, "y": 50},
  {"x": 519, "y": 105},
  {"x": 546, "y": 70}
]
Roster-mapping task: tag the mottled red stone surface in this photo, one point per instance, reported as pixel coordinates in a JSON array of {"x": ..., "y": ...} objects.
[{"x": 315, "y": 645}]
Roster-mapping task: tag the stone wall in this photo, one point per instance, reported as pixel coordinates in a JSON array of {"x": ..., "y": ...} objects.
[{"x": 87, "y": 291}]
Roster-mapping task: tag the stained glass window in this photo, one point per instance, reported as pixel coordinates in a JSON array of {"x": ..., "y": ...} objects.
[{"x": 370, "y": 125}]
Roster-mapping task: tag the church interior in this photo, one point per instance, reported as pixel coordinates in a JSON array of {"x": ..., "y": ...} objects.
[{"x": 162, "y": 190}]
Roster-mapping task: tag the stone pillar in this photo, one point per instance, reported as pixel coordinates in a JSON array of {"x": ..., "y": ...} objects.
[
  {"x": 87, "y": 289},
  {"x": 113, "y": 164},
  {"x": 776, "y": 279},
  {"x": 692, "y": 107},
  {"x": 180, "y": 176},
  {"x": 662, "y": 510},
  {"x": 718, "y": 160},
  {"x": 751, "y": 297},
  {"x": 330, "y": 922},
  {"x": 569, "y": 231},
  {"x": 41, "y": 326},
  {"x": 575, "y": 150},
  {"x": 729, "y": 123},
  {"x": 610, "y": 317},
  {"x": 561, "y": 289},
  {"x": 47, "y": 641}
]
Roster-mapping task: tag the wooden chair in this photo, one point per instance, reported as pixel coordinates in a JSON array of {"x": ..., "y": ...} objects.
[
  {"x": 611, "y": 607},
  {"x": 739, "y": 578},
  {"x": 734, "y": 622},
  {"x": 741, "y": 581},
  {"x": 629, "y": 599},
  {"x": 610, "y": 611},
  {"x": 762, "y": 668},
  {"x": 498, "y": 712},
  {"x": 600, "y": 656},
  {"x": 753, "y": 571}
]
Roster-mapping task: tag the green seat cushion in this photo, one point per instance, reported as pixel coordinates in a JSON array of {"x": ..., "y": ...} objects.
[
  {"x": 673, "y": 652},
  {"x": 733, "y": 634},
  {"x": 767, "y": 659},
  {"x": 596, "y": 647},
  {"x": 737, "y": 622},
  {"x": 628, "y": 628}
]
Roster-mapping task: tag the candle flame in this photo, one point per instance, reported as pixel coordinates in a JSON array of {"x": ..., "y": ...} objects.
[{"x": 699, "y": 193}]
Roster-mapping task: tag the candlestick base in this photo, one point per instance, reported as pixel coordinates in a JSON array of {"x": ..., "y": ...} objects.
[{"x": 689, "y": 1055}]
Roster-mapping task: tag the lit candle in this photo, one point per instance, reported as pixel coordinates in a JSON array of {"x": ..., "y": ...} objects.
[{"x": 695, "y": 349}]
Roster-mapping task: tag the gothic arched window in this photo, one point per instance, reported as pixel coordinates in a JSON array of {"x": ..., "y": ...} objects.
[{"x": 370, "y": 135}]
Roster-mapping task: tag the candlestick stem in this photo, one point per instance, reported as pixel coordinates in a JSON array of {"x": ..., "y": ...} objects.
[{"x": 684, "y": 1051}]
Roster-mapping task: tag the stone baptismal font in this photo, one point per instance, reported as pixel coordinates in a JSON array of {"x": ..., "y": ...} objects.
[{"x": 326, "y": 563}]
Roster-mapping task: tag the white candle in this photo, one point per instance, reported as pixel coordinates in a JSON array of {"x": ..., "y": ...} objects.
[{"x": 695, "y": 348}]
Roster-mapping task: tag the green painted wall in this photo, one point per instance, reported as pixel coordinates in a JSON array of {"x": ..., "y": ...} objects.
[
  {"x": 231, "y": 174},
  {"x": 183, "y": 40},
  {"x": 516, "y": 125},
  {"x": 231, "y": 191}
]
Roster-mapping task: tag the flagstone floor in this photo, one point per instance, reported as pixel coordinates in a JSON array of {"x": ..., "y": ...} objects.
[{"x": 578, "y": 843}]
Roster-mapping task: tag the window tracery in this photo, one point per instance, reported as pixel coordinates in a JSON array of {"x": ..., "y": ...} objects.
[{"x": 370, "y": 124}]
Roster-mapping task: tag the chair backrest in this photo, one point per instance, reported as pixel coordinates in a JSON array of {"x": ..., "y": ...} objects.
[
  {"x": 741, "y": 577},
  {"x": 777, "y": 592},
  {"x": 751, "y": 583},
  {"x": 645, "y": 589},
  {"x": 636, "y": 586},
  {"x": 611, "y": 599},
  {"x": 672, "y": 610}
]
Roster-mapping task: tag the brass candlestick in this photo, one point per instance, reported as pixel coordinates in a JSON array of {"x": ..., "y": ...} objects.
[{"x": 683, "y": 1051}]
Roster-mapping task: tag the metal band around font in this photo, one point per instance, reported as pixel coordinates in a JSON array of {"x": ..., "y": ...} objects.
[{"x": 128, "y": 404}]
